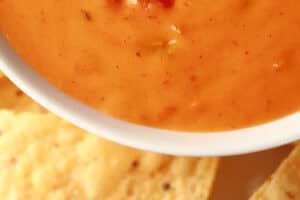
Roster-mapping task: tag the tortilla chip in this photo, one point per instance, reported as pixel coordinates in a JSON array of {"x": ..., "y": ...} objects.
[
  {"x": 44, "y": 157},
  {"x": 285, "y": 182},
  {"x": 13, "y": 98},
  {"x": 260, "y": 192}
]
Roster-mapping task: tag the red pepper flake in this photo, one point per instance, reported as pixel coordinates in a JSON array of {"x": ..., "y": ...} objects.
[
  {"x": 166, "y": 82},
  {"x": 220, "y": 115},
  {"x": 167, "y": 112},
  {"x": 115, "y": 3},
  {"x": 193, "y": 78},
  {"x": 164, "y": 3},
  {"x": 152, "y": 17},
  {"x": 171, "y": 109},
  {"x": 86, "y": 14},
  {"x": 168, "y": 3},
  {"x": 138, "y": 54},
  {"x": 235, "y": 43},
  {"x": 144, "y": 75},
  {"x": 269, "y": 103},
  {"x": 186, "y": 4},
  {"x": 144, "y": 3}
]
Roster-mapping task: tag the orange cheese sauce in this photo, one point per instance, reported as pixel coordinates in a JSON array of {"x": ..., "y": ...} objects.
[{"x": 196, "y": 65}]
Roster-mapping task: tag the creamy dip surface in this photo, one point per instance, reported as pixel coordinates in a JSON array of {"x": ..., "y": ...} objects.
[{"x": 195, "y": 65}]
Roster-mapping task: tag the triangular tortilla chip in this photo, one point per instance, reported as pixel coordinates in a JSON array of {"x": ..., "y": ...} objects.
[
  {"x": 13, "y": 98},
  {"x": 44, "y": 157},
  {"x": 284, "y": 184}
]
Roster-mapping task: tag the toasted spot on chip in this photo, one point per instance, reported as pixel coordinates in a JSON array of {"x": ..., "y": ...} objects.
[
  {"x": 13, "y": 98},
  {"x": 135, "y": 163},
  {"x": 284, "y": 183},
  {"x": 167, "y": 186},
  {"x": 44, "y": 157}
]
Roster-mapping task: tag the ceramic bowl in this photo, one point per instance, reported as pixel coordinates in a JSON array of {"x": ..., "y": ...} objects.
[{"x": 240, "y": 141}]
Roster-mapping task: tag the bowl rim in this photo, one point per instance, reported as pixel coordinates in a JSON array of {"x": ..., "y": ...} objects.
[{"x": 241, "y": 141}]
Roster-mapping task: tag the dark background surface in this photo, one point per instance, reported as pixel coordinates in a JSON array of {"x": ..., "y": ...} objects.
[{"x": 239, "y": 176}]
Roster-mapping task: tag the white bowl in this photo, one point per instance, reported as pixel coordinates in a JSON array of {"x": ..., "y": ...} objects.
[{"x": 239, "y": 141}]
